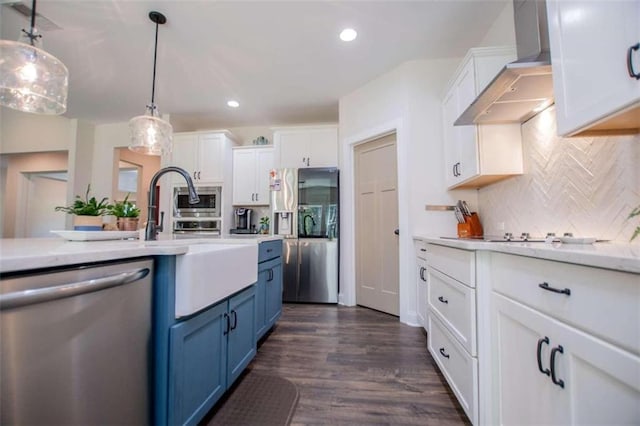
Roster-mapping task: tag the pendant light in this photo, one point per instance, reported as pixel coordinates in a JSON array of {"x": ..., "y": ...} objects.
[
  {"x": 32, "y": 80},
  {"x": 150, "y": 134}
]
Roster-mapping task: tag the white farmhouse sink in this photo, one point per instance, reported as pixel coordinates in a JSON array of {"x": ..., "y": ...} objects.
[{"x": 208, "y": 273}]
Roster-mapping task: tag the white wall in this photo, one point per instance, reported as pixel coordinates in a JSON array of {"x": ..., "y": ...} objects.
[
  {"x": 15, "y": 185},
  {"x": 406, "y": 100},
  {"x": 107, "y": 138},
  {"x": 502, "y": 31},
  {"x": 23, "y": 132},
  {"x": 246, "y": 135}
]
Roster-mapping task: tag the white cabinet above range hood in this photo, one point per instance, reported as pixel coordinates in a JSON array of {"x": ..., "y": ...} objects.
[{"x": 524, "y": 87}]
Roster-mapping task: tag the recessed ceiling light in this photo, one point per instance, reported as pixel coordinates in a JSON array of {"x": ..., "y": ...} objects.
[
  {"x": 348, "y": 34},
  {"x": 233, "y": 104}
]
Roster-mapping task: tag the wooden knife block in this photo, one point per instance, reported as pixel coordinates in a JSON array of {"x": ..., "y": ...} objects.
[{"x": 471, "y": 227}]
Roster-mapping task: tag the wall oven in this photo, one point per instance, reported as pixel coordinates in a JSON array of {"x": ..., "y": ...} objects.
[
  {"x": 200, "y": 219},
  {"x": 208, "y": 207},
  {"x": 196, "y": 227}
]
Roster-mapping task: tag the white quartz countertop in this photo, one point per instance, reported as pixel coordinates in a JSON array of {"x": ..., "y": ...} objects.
[
  {"x": 608, "y": 255},
  {"x": 23, "y": 254}
]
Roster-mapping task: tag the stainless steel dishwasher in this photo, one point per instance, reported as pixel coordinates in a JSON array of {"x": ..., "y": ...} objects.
[{"x": 75, "y": 345}]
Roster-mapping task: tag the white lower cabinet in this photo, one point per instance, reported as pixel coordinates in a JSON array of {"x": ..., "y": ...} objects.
[
  {"x": 456, "y": 305},
  {"x": 565, "y": 343},
  {"x": 421, "y": 283},
  {"x": 458, "y": 367},
  {"x": 451, "y": 318},
  {"x": 550, "y": 373}
]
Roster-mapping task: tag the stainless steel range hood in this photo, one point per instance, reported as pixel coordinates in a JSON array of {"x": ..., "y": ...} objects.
[{"x": 524, "y": 87}]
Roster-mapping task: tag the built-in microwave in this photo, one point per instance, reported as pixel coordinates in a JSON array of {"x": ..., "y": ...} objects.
[{"x": 208, "y": 206}]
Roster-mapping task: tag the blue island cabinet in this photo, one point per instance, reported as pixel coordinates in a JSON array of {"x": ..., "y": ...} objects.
[
  {"x": 198, "y": 358},
  {"x": 208, "y": 353},
  {"x": 268, "y": 286}
]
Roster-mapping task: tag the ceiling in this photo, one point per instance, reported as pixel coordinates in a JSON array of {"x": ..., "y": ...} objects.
[{"x": 282, "y": 60}]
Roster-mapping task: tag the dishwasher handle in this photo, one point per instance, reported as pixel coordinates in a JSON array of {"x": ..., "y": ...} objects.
[{"x": 30, "y": 297}]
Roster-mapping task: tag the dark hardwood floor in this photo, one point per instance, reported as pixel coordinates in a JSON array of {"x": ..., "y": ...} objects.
[{"x": 353, "y": 365}]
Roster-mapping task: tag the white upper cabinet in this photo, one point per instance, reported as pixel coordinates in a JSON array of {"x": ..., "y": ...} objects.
[
  {"x": 592, "y": 58},
  {"x": 478, "y": 155},
  {"x": 203, "y": 155},
  {"x": 300, "y": 147},
  {"x": 251, "y": 167}
]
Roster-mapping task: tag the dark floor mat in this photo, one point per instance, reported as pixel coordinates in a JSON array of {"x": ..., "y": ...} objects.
[{"x": 258, "y": 400}]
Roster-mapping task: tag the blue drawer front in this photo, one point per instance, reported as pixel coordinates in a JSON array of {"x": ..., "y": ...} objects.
[{"x": 269, "y": 250}]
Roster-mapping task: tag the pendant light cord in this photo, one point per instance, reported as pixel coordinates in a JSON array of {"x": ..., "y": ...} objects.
[
  {"x": 31, "y": 33},
  {"x": 33, "y": 15},
  {"x": 153, "y": 85}
]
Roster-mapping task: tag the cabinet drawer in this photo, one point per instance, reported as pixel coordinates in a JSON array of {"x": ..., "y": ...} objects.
[
  {"x": 458, "y": 264},
  {"x": 269, "y": 250},
  {"x": 455, "y": 304},
  {"x": 458, "y": 367},
  {"x": 421, "y": 249},
  {"x": 601, "y": 301}
]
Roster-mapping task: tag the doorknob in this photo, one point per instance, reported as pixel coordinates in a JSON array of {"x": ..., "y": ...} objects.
[{"x": 397, "y": 232}]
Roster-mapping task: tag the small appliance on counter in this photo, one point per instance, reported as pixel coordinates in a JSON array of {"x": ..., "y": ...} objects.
[{"x": 243, "y": 223}]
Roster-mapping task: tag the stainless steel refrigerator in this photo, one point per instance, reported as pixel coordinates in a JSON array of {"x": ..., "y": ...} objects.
[{"x": 305, "y": 212}]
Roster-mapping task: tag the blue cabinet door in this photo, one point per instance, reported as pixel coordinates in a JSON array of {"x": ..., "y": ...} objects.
[
  {"x": 273, "y": 293},
  {"x": 197, "y": 367},
  {"x": 261, "y": 297},
  {"x": 242, "y": 333}
]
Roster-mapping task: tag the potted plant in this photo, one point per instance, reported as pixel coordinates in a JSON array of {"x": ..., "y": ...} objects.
[
  {"x": 264, "y": 225},
  {"x": 88, "y": 212},
  {"x": 127, "y": 214}
]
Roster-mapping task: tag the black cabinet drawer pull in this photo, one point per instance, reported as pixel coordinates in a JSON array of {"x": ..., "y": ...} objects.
[
  {"x": 444, "y": 354},
  {"x": 423, "y": 249},
  {"x": 546, "y": 286},
  {"x": 235, "y": 320},
  {"x": 227, "y": 325},
  {"x": 443, "y": 300},
  {"x": 544, "y": 371},
  {"x": 554, "y": 378},
  {"x": 632, "y": 72},
  {"x": 422, "y": 271}
]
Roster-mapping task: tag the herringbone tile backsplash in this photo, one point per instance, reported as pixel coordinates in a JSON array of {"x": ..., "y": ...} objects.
[{"x": 587, "y": 186}]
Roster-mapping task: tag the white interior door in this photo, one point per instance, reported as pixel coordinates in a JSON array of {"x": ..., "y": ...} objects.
[{"x": 377, "y": 282}]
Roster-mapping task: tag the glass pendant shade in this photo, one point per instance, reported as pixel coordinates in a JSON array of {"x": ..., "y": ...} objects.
[
  {"x": 32, "y": 80},
  {"x": 150, "y": 135}
]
